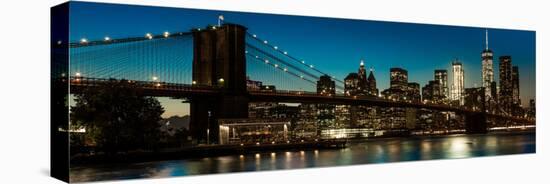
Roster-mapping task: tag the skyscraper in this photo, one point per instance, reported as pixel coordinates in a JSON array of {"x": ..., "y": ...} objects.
[
  {"x": 487, "y": 74},
  {"x": 398, "y": 78},
  {"x": 413, "y": 92},
  {"x": 441, "y": 76},
  {"x": 457, "y": 93},
  {"x": 325, "y": 86},
  {"x": 398, "y": 85},
  {"x": 359, "y": 84},
  {"x": 515, "y": 86},
  {"x": 506, "y": 86},
  {"x": 351, "y": 84},
  {"x": 371, "y": 81}
]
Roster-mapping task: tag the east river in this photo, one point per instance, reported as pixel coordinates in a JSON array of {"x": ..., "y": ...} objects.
[{"x": 358, "y": 152}]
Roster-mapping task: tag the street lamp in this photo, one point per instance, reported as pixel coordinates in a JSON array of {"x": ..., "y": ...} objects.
[{"x": 208, "y": 128}]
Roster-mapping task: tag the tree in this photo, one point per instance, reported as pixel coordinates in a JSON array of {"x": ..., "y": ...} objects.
[{"x": 117, "y": 117}]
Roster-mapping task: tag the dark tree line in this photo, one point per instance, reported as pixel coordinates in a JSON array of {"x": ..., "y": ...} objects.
[{"x": 117, "y": 118}]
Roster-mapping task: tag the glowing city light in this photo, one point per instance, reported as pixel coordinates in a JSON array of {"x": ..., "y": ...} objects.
[
  {"x": 78, "y": 74},
  {"x": 149, "y": 36},
  {"x": 166, "y": 34},
  {"x": 107, "y": 39},
  {"x": 83, "y": 40},
  {"x": 155, "y": 78}
]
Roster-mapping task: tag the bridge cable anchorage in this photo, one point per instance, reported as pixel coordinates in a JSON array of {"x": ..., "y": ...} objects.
[
  {"x": 302, "y": 62},
  {"x": 274, "y": 65},
  {"x": 84, "y": 42}
]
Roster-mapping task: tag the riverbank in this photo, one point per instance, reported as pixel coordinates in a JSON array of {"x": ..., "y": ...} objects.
[
  {"x": 221, "y": 150},
  {"x": 205, "y": 151}
]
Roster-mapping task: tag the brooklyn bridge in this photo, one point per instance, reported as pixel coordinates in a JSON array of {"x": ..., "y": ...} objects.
[{"x": 210, "y": 68}]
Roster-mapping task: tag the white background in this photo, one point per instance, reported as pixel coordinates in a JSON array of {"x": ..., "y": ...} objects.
[{"x": 24, "y": 90}]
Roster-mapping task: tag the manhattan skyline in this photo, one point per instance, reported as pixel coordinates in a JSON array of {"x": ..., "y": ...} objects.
[{"x": 333, "y": 45}]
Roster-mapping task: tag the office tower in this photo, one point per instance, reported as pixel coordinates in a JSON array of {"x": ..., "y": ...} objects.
[
  {"x": 413, "y": 92},
  {"x": 371, "y": 81},
  {"x": 487, "y": 74},
  {"x": 515, "y": 86},
  {"x": 506, "y": 86},
  {"x": 457, "y": 93},
  {"x": 325, "y": 86},
  {"x": 441, "y": 76},
  {"x": 351, "y": 83},
  {"x": 398, "y": 78},
  {"x": 431, "y": 92}
]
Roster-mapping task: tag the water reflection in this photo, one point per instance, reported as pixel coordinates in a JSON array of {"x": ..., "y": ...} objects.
[{"x": 374, "y": 151}]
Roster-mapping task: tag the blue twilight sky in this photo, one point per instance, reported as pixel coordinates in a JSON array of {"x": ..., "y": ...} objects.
[{"x": 332, "y": 45}]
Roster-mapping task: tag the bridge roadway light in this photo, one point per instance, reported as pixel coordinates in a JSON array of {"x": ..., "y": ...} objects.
[
  {"x": 107, "y": 39},
  {"x": 77, "y": 74},
  {"x": 83, "y": 40},
  {"x": 166, "y": 34},
  {"x": 149, "y": 36}
]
